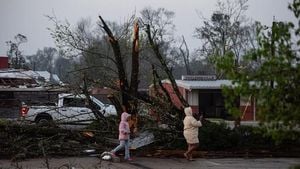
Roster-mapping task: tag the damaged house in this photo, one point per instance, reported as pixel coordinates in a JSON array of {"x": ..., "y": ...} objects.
[{"x": 19, "y": 86}]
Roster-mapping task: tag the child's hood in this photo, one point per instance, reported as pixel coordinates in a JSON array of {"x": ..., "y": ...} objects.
[
  {"x": 188, "y": 111},
  {"x": 125, "y": 116}
]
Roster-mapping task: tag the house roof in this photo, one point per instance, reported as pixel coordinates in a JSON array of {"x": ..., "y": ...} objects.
[
  {"x": 11, "y": 73},
  {"x": 33, "y": 89},
  {"x": 23, "y": 78},
  {"x": 44, "y": 74},
  {"x": 207, "y": 84}
]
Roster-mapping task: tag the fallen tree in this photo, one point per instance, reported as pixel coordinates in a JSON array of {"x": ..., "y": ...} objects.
[{"x": 216, "y": 140}]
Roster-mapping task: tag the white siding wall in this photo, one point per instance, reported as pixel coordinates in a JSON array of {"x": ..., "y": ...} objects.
[{"x": 193, "y": 97}]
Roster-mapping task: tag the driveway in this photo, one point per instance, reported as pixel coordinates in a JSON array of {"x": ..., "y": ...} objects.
[{"x": 154, "y": 163}]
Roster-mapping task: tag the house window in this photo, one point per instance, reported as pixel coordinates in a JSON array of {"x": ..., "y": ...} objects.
[{"x": 211, "y": 104}]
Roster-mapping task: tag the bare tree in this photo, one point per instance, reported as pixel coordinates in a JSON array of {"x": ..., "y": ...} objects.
[
  {"x": 228, "y": 30},
  {"x": 185, "y": 54},
  {"x": 15, "y": 56},
  {"x": 43, "y": 59}
]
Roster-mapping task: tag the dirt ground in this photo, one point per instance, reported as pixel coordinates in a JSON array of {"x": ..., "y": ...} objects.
[{"x": 153, "y": 163}]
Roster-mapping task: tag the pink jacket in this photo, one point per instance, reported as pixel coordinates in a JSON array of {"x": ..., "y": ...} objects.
[{"x": 124, "y": 130}]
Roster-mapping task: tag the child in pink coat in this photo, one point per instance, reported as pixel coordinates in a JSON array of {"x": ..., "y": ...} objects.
[{"x": 124, "y": 135}]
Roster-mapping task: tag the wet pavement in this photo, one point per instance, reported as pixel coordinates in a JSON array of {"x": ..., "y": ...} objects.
[{"x": 154, "y": 163}]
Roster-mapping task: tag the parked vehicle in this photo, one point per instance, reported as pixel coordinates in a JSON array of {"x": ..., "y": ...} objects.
[{"x": 69, "y": 109}]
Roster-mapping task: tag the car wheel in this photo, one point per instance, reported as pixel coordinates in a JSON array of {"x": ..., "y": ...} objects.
[{"x": 44, "y": 121}]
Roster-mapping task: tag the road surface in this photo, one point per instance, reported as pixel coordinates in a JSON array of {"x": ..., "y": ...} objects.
[{"x": 154, "y": 163}]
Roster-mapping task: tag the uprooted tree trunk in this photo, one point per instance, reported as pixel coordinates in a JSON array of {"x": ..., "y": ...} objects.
[
  {"x": 128, "y": 91},
  {"x": 134, "y": 77},
  {"x": 135, "y": 62},
  {"x": 123, "y": 82}
]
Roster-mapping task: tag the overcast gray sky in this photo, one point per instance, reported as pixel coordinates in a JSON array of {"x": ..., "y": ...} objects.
[{"x": 28, "y": 16}]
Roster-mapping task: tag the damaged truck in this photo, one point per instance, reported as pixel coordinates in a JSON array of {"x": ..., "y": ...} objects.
[{"x": 69, "y": 109}]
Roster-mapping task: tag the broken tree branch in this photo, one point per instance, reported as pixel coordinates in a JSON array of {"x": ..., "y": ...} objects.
[{"x": 155, "y": 48}]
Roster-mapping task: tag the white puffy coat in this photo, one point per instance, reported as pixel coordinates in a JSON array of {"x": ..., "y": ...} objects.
[{"x": 191, "y": 127}]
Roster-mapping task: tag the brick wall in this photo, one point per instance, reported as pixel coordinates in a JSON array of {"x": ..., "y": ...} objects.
[{"x": 3, "y": 62}]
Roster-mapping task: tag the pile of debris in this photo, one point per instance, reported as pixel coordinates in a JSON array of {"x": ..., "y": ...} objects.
[{"x": 26, "y": 141}]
